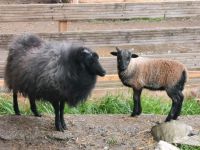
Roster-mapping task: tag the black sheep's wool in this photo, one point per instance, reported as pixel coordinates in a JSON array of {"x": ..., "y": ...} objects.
[{"x": 51, "y": 71}]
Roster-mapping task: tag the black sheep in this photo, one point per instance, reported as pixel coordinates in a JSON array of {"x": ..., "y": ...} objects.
[{"x": 58, "y": 72}]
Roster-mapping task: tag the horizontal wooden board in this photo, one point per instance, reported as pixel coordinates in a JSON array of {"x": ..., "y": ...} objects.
[
  {"x": 27, "y": 1},
  {"x": 147, "y": 49},
  {"x": 165, "y": 36},
  {"x": 60, "y": 12},
  {"x": 132, "y": 1},
  {"x": 112, "y": 81},
  {"x": 122, "y": 37},
  {"x": 191, "y": 60}
]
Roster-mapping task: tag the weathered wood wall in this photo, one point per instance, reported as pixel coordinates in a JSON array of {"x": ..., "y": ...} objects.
[
  {"x": 60, "y": 12},
  {"x": 180, "y": 43},
  {"x": 180, "y": 36}
]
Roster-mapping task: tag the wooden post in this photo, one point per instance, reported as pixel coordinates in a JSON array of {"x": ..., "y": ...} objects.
[
  {"x": 63, "y": 26},
  {"x": 75, "y": 1}
]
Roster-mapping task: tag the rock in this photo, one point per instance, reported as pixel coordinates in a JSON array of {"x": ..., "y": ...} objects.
[
  {"x": 190, "y": 140},
  {"x": 162, "y": 145},
  {"x": 175, "y": 132},
  {"x": 61, "y": 136},
  {"x": 171, "y": 131}
]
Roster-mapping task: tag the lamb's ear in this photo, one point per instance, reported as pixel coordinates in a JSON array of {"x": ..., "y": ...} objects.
[
  {"x": 117, "y": 48},
  {"x": 134, "y": 55},
  {"x": 113, "y": 53}
]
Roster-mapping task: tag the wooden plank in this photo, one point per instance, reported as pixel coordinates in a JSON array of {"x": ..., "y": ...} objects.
[
  {"x": 147, "y": 49},
  {"x": 113, "y": 82},
  {"x": 101, "y": 1},
  {"x": 120, "y": 1},
  {"x": 115, "y": 77},
  {"x": 117, "y": 38},
  {"x": 27, "y": 1},
  {"x": 61, "y": 12},
  {"x": 191, "y": 60}
]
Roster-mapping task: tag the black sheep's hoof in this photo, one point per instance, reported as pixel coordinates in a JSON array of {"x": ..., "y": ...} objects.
[
  {"x": 64, "y": 126},
  {"x": 59, "y": 127},
  {"x": 167, "y": 119}
]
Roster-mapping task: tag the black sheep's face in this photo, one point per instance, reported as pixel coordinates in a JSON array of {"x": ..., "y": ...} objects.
[
  {"x": 123, "y": 58},
  {"x": 91, "y": 62}
]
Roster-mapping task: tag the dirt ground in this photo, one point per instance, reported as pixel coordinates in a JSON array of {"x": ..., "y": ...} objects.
[{"x": 85, "y": 132}]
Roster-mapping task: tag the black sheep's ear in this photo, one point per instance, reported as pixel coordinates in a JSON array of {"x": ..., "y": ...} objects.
[
  {"x": 113, "y": 53},
  {"x": 134, "y": 55}
]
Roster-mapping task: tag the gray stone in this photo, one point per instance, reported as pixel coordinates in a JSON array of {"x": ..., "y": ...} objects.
[
  {"x": 190, "y": 140},
  {"x": 162, "y": 145},
  {"x": 175, "y": 132},
  {"x": 171, "y": 131}
]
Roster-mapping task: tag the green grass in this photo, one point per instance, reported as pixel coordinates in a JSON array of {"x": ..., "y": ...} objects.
[
  {"x": 110, "y": 104},
  {"x": 188, "y": 147}
]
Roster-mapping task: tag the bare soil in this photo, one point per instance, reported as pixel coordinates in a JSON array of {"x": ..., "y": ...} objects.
[{"x": 85, "y": 132}]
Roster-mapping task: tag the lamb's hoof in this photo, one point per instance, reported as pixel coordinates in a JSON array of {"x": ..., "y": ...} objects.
[
  {"x": 17, "y": 113},
  {"x": 134, "y": 115},
  {"x": 38, "y": 115}
]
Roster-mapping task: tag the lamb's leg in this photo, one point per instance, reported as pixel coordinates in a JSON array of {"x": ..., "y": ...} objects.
[
  {"x": 179, "y": 105},
  {"x": 33, "y": 107},
  {"x": 176, "y": 104},
  {"x": 62, "y": 120},
  {"x": 58, "y": 125},
  {"x": 15, "y": 104},
  {"x": 137, "y": 110}
]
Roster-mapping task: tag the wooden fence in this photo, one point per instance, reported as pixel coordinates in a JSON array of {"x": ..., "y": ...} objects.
[
  {"x": 60, "y": 12},
  {"x": 180, "y": 36},
  {"x": 180, "y": 43}
]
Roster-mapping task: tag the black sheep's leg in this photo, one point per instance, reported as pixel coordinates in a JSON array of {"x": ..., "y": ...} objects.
[
  {"x": 56, "y": 106},
  {"x": 62, "y": 120},
  {"x": 33, "y": 107},
  {"x": 137, "y": 110},
  {"x": 15, "y": 104},
  {"x": 173, "y": 94}
]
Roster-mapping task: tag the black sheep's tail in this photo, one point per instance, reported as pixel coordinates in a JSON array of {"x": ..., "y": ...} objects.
[{"x": 25, "y": 42}]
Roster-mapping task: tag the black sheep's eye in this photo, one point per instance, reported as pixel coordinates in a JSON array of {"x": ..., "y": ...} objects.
[
  {"x": 95, "y": 55},
  {"x": 91, "y": 61}
]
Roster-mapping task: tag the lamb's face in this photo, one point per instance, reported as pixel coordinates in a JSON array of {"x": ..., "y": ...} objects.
[
  {"x": 123, "y": 58},
  {"x": 91, "y": 61}
]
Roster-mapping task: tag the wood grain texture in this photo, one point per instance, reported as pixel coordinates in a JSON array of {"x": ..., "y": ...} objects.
[
  {"x": 61, "y": 12},
  {"x": 121, "y": 37},
  {"x": 139, "y": 37}
]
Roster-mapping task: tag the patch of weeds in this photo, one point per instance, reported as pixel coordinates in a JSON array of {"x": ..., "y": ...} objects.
[
  {"x": 188, "y": 147},
  {"x": 111, "y": 141},
  {"x": 127, "y": 20},
  {"x": 109, "y": 104}
]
